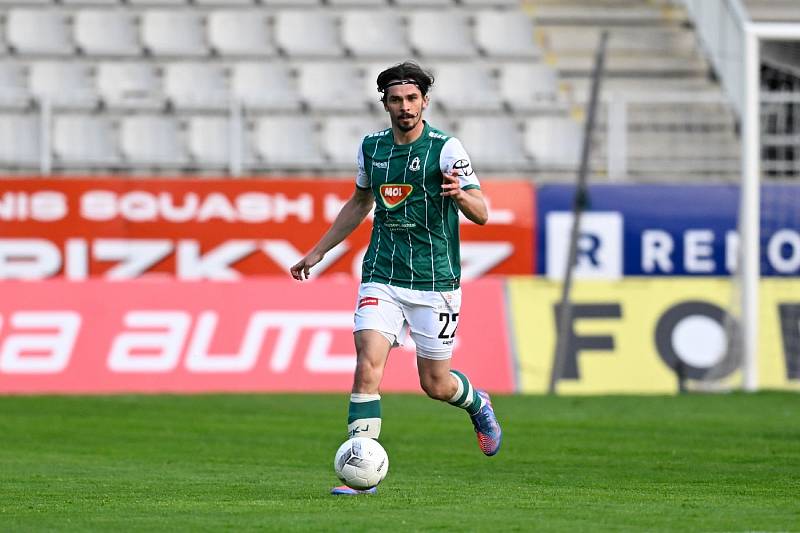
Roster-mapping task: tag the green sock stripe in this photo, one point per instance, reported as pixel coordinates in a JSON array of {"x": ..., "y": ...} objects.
[
  {"x": 363, "y": 410},
  {"x": 465, "y": 383},
  {"x": 475, "y": 406}
]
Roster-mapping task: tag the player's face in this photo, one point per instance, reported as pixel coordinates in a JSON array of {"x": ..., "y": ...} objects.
[{"x": 405, "y": 104}]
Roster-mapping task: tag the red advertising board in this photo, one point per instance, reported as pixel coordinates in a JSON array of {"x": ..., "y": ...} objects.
[
  {"x": 194, "y": 229},
  {"x": 259, "y": 335}
]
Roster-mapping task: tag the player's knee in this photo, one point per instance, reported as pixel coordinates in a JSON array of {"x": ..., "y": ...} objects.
[
  {"x": 368, "y": 371},
  {"x": 436, "y": 388}
]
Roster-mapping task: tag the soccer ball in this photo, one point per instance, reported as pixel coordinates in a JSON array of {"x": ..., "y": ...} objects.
[{"x": 361, "y": 463}]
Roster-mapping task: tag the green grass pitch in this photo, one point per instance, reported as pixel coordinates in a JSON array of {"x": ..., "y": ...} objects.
[{"x": 264, "y": 462}]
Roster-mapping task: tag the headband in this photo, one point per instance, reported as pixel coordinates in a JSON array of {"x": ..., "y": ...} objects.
[{"x": 400, "y": 82}]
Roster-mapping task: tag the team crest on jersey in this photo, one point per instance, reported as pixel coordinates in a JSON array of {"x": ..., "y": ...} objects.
[
  {"x": 394, "y": 194},
  {"x": 414, "y": 166}
]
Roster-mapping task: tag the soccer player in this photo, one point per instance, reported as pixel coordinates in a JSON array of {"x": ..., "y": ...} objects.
[{"x": 418, "y": 178}]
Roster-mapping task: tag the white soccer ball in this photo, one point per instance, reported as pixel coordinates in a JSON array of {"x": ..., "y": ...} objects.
[{"x": 361, "y": 463}]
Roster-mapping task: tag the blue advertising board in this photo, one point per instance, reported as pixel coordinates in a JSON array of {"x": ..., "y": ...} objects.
[{"x": 665, "y": 230}]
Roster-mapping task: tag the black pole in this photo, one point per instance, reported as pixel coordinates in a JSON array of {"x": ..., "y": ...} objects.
[{"x": 579, "y": 204}]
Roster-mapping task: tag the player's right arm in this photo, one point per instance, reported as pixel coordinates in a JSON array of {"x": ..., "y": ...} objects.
[{"x": 352, "y": 214}]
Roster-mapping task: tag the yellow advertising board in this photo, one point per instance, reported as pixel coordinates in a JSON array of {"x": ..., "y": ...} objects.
[{"x": 646, "y": 335}]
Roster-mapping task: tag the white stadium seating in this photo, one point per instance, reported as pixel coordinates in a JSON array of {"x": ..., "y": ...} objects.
[
  {"x": 493, "y": 141},
  {"x": 64, "y": 84},
  {"x": 505, "y": 34},
  {"x": 129, "y": 85},
  {"x": 39, "y": 32},
  {"x": 374, "y": 33},
  {"x": 465, "y": 87},
  {"x": 196, "y": 85},
  {"x": 239, "y": 33},
  {"x": 173, "y": 33},
  {"x": 19, "y": 140},
  {"x": 265, "y": 86},
  {"x": 13, "y": 86},
  {"x": 305, "y": 34},
  {"x": 341, "y": 137},
  {"x": 152, "y": 141},
  {"x": 528, "y": 86},
  {"x": 84, "y": 140},
  {"x": 151, "y": 83},
  {"x": 553, "y": 141},
  {"x": 331, "y": 87},
  {"x": 209, "y": 141},
  {"x": 290, "y": 142},
  {"x": 424, "y": 3},
  {"x": 441, "y": 34},
  {"x": 106, "y": 32}
]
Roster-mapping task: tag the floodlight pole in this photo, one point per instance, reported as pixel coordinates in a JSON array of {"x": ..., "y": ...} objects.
[{"x": 581, "y": 197}]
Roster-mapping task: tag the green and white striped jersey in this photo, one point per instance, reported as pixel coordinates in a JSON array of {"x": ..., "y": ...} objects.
[{"x": 415, "y": 239}]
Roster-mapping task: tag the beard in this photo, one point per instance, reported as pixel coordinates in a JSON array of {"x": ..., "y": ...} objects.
[{"x": 408, "y": 127}]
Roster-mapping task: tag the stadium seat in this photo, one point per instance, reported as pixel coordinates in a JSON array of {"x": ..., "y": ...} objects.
[
  {"x": 528, "y": 86},
  {"x": 369, "y": 87},
  {"x": 290, "y": 142},
  {"x": 374, "y": 33},
  {"x": 83, "y": 3},
  {"x": 39, "y": 32},
  {"x": 291, "y": 3},
  {"x": 264, "y": 86},
  {"x": 152, "y": 140},
  {"x": 129, "y": 86},
  {"x": 196, "y": 86},
  {"x": 106, "y": 32},
  {"x": 64, "y": 84},
  {"x": 494, "y": 142},
  {"x": 209, "y": 141},
  {"x": 493, "y": 3},
  {"x": 307, "y": 33},
  {"x": 358, "y": 3},
  {"x": 84, "y": 140},
  {"x": 329, "y": 86},
  {"x": 242, "y": 33},
  {"x": 341, "y": 137},
  {"x": 170, "y": 3},
  {"x": 465, "y": 87},
  {"x": 19, "y": 140},
  {"x": 553, "y": 141},
  {"x": 441, "y": 34},
  {"x": 424, "y": 3},
  {"x": 507, "y": 34},
  {"x": 225, "y": 3},
  {"x": 13, "y": 86},
  {"x": 173, "y": 33}
]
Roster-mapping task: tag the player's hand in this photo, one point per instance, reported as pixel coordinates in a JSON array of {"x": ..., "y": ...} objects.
[
  {"x": 301, "y": 270},
  {"x": 450, "y": 184}
]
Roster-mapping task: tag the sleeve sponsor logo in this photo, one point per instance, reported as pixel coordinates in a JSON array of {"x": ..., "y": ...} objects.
[{"x": 463, "y": 167}]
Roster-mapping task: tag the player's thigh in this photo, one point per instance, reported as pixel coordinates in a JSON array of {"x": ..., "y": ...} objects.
[
  {"x": 433, "y": 319},
  {"x": 377, "y": 309}
]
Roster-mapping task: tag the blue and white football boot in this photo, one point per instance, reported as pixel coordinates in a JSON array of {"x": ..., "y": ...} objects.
[
  {"x": 344, "y": 490},
  {"x": 487, "y": 428}
]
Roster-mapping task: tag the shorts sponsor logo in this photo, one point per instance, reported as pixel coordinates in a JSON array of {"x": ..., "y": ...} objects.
[
  {"x": 394, "y": 194},
  {"x": 367, "y": 300}
]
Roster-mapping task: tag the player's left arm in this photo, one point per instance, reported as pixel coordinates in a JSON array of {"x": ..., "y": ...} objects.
[
  {"x": 460, "y": 183},
  {"x": 469, "y": 201}
]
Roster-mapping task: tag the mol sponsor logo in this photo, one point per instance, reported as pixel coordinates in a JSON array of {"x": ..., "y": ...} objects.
[{"x": 394, "y": 194}]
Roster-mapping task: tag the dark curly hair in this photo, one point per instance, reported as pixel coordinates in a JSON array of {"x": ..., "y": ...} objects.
[{"x": 402, "y": 73}]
